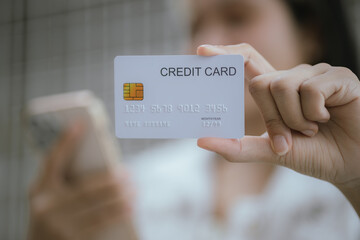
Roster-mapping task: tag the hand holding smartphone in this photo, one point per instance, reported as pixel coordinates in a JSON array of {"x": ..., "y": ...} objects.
[
  {"x": 48, "y": 117},
  {"x": 95, "y": 154}
]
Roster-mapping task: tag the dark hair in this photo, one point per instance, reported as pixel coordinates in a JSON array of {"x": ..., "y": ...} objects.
[{"x": 328, "y": 20}]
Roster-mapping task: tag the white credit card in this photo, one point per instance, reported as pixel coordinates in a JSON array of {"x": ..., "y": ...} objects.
[{"x": 179, "y": 96}]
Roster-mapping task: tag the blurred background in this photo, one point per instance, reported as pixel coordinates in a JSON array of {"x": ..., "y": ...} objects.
[{"x": 53, "y": 46}]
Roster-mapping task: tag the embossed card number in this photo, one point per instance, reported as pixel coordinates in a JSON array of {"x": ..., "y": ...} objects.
[{"x": 179, "y": 96}]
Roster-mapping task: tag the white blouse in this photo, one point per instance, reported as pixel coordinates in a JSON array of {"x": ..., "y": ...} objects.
[{"x": 174, "y": 184}]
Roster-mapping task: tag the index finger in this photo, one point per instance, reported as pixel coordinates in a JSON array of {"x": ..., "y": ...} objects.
[{"x": 255, "y": 63}]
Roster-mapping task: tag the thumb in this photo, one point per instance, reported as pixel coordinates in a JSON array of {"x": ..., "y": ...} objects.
[
  {"x": 57, "y": 160},
  {"x": 246, "y": 149}
]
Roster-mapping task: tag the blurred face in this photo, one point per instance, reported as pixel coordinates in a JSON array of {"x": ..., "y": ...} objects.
[{"x": 265, "y": 24}]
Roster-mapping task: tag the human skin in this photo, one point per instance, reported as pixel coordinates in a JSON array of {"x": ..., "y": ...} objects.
[
  {"x": 311, "y": 114},
  {"x": 77, "y": 209}
]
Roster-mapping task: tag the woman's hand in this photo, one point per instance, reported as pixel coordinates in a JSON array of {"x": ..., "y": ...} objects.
[
  {"x": 60, "y": 209},
  {"x": 312, "y": 116}
]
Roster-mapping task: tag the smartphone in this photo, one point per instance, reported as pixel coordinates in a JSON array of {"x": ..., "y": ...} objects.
[{"x": 48, "y": 117}]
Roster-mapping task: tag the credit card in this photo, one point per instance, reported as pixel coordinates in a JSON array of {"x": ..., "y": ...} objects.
[{"x": 179, "y": 96}]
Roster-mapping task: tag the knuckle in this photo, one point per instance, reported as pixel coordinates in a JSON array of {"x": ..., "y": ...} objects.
[
  {"x": 295, "y": 123},
  {"x": 316, "y": 115},
  {"x": 303, "y": 66},
  {"x": 246, "y": 46},
  {"x": 323, "y": 66},
  {"x": 311, "y": 113},
  {"x": 279, "y": 85},
  {"x": 273, "y": 123},
  {"x": 344, "y": 71},
  {"x": 307, "y": 88},
  {"x": 257, "y": 85}
]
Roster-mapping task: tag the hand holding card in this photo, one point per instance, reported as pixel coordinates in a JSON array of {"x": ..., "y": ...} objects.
[{"x": 311, "y": 114}]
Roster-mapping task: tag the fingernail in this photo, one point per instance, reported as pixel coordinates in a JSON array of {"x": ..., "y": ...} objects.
[
  {"x": 309, "y": 133},
  {"x": 205, "y": 45},
  {"x": 213, "y": 48},
  {"x": 280, "y": 145}
]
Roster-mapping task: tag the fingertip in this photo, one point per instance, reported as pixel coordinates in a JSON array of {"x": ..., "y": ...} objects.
[
  {"x": 210, "y": 50},
  {"x": 211, "y": 143},
  {"x": 311, "y": 130},
  {"x": 203, "y": 143},
  {"x": 325, "y": 116},
  {"x": 281, "y": 142},
  {"x": 280, "y": 145},
  {"x": 309, "y": 133},
  {"x": 200, "y": 49}
]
